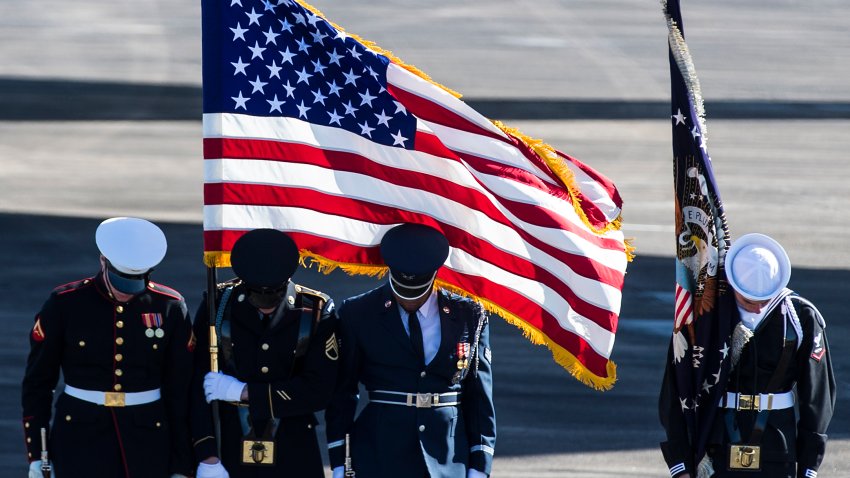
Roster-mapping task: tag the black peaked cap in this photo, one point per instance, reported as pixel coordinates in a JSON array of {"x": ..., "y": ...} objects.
[{"x": 264, "y": 258}]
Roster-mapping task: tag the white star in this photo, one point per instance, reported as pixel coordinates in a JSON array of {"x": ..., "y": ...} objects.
[
  {"x": 240, "y": 67},
  {"x": 365, "y": 129},
  {"x": 702, "y": 146},
  {"x": 254, "y": 17},
  {"x": 716, "y": 377},
  {"x": 334, "y": 88},
  {"x": 334, "y": 57},
  {"x": 382, "y": 118},
  {"x": 372, "y": 72},
  {"x": 318, "y": 97},
  {"x": 317, "y": 36},
  {"x": 303, "y": 76},
  {"x": 238, "y": 32},
  {"x": 287, "y": 56},
  {"x": 706, "y": 386},
  {"x": 724, "y": 350},
  {"x": 399, "y": 108},
  {"x": 366, "y": 98},
  {"x": 680, "y": 118},
  {"x": 302, "y": 45},
  {"x": 285, "y": 25},
  {"x": 318, "y": 67},
  {"x": 256, "y": 50},
  {"x": 235, "y": 2},
  {"x": 695, "y": 132},
  {"x": 398, "y": 139},
  {"x": 289, "y": 89},
  {"x": 350, "y": 77},
  {"x": 356, "y": 54},
  {"x": 258, "y": 85},
  {"x": 335, "y": 117},
  {"x": 240, "y": 101},
  {"x": 693, "y": 196},
  {"x": 349, "y": 109},
  {"x": 299, "y": 18},
  {"x": 302, "y": 110},
  {"x": 274, "y": 70},
  {"x": 684, "y": 402},
  {"x": 268, "y": 6},
  {"x": 275, "y": 104},
  {"x": 382, "y": 90},
  {"x": 341, "y": 35},
  {"x": 271, "y": 36},
  {"x": 312, "y": 19}
]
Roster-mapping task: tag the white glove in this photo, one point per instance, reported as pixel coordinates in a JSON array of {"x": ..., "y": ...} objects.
[
  {"x": 218, "y": 386},
  {"x": 339, "y": 472},
  {"x": 211, "y": 471},
  {"x": 473, "y": 473},
  {"x": 35, "y": 470}
]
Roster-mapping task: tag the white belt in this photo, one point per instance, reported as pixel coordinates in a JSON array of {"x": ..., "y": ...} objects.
[
  {"x": 762, "y": 401},
  {"x": 113, "y": 399}
]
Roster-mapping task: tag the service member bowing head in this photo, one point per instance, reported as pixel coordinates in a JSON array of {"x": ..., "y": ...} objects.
[
  {"x": 129, "y": 250},
  {"x": 264, "y": 259},
  {"x": 414, "y": 253},
  {"x": 758, "y": 269}
]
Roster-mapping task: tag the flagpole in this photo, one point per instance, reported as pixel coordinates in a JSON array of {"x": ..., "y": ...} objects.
[{"x": 212, "y": 284}]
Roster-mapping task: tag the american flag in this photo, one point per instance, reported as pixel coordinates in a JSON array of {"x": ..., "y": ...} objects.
[
  {"x": 318, "y": 133},
  {"x": 698, "y": 355}
]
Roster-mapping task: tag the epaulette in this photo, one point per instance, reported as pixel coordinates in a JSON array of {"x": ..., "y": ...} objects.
[
  {"x": 230, "y": 283},
  {"x": 166, "y": 291},
  {"x": 325, "y": 299},
  {"x": 72, "y": 286}
]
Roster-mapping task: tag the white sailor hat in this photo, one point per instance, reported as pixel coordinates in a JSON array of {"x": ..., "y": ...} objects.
[
  {"x": 132, "y": 246},
  {"x": 757, "y": 267}
]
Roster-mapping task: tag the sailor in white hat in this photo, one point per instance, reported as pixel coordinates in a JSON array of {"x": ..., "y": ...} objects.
[
  {"x": 124, "y": 345},
  {"x": 779, "y": 344}
]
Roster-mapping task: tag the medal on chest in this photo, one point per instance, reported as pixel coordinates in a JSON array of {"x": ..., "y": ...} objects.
[{"x": 153, "y": 325}]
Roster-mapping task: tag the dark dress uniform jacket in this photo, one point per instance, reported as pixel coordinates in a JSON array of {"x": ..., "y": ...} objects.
[
  {"x": 786, "y": 441},
  {"x": 100, "y": 345},
  {"x": 393, "y": 440},
  {"x": 277, "y": 388}
]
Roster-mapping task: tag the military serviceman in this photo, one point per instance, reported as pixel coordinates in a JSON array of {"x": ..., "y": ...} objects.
[
  {"x": 778, "y": 344},
  {"x": 278, "y": 360},
  {"x": 423, "y": 355},
  {"x": 124, "y": 346}
]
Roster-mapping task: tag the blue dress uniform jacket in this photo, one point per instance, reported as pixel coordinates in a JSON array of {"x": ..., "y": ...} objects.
[
  {"x": 277, "y": 388},
  {"x": 389, "y": 440},
  {"x": 790, "y": 446},
  {"x": 101, "y": 345}
]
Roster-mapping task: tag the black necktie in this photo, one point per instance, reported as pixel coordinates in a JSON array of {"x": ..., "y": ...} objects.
[{"x": 416, "y": 335}]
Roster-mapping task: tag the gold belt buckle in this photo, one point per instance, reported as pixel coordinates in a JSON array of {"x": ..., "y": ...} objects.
[
  {"x": 113, "y": 399},
  {"x": 257, "y": 452},
  {"x": 745, "y": 457},
  {"x": 749, "y": 402}
]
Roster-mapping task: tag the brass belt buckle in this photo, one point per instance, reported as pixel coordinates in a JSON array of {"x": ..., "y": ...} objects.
[
  {"x": 749, "y": 402},
  {"x": 425, "y": 400},
  {"x": 257, "y": 452},
  {"x": 745, "y": 457},
  {"x": 113, "y": 399}
]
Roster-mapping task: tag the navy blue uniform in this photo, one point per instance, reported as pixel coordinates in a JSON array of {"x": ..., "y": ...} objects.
[
  {"x": 389, "y": 440},
  {"x": 278, "y": 385},
  {"x": 102, "y": 345}
]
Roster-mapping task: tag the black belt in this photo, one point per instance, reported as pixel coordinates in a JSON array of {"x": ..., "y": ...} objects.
[{"x": 418, "y": 400}]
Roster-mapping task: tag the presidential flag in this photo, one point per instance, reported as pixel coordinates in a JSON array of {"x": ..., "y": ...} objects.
[
  {"x": 698, "y": 359},
  {"x": 313, "y": 131}
]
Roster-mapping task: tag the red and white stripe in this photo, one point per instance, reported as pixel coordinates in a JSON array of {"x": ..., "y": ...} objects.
[
  {"x": 515, "y": 235},
  {"x": 684, "y": 307}
]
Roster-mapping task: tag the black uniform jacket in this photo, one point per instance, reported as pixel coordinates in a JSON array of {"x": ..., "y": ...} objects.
[
  {"x": 785, "y": 440},
  {"x": 393, "y": 440},
  {"x": 278, "y": 386},
  {"x": 101, "y": 345}
]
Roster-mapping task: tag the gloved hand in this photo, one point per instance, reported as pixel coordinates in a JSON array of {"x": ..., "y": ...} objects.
[
  {"x": 35, "y": 470},
  {"x": 211, "y": 471},
  {"x": 339, "y": 472},
  {"x": 218, "y": 386},
  {"x": 473, "y": 473}
]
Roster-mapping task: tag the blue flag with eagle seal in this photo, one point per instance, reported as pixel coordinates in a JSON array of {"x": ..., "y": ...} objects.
[{"x": 698, "y": 359}]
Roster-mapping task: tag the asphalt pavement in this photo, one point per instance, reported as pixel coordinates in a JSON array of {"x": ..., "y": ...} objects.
[{"x": 99, "y": 116}]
